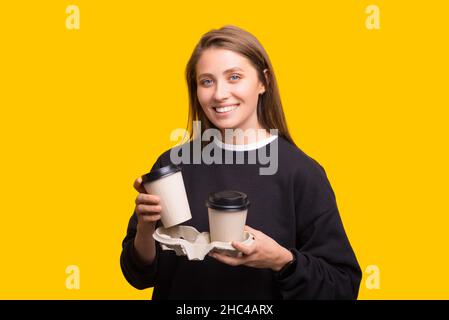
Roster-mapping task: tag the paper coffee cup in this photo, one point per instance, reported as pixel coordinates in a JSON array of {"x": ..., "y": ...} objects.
[
  {"x": 227, "y": 215},
  {"x": 168, "y": 185}
]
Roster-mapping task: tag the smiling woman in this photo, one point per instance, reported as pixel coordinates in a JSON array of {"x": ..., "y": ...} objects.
[
  {"x": 300, "y": 248},
  {"x": 229, "y": 90},
  {"x": 232, "y": 84}
]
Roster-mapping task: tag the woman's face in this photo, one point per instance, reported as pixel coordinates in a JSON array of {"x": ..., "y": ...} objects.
[{"x": 228, "y": 89}]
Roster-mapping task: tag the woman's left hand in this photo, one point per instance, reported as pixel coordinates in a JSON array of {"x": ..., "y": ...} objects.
[{"x": 264, "y": 252}]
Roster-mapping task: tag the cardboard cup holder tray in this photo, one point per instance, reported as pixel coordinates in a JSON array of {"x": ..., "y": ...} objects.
[{"x": 187, "y": 241}]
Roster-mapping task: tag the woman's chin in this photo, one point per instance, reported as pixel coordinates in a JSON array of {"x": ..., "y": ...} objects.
[{"x": 225, "y": 124}]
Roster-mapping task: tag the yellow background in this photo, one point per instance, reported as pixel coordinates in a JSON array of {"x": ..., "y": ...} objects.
[{"x": 85, "y": 112}]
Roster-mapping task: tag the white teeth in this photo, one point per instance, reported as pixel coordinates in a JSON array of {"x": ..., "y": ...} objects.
[{"x": 226, "y": 109}]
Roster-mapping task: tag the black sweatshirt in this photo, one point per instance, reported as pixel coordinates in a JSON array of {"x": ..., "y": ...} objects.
[{"x": 296, "y": 207}]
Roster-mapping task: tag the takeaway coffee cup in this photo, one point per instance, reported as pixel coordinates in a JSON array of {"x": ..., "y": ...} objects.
[
  {"x": 227, "y": 215},
  {"x": 168, "y": 185}
]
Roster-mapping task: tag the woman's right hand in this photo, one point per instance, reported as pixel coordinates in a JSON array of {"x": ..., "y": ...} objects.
[{"x": 147, "y": 206}]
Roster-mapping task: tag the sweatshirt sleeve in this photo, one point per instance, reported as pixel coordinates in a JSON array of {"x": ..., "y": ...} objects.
[
  {"x": 135, "y": 271},
  {"x": 326, "y": 266}
]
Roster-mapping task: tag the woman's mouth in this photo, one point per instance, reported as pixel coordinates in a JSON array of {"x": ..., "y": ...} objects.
[{"x": 226, "y": 109}]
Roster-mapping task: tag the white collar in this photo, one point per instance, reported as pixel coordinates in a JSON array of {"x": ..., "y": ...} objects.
[{"x": 245, "y": 147}]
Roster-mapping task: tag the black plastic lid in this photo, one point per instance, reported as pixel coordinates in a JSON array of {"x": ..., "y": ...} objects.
[
  {"x": 160, "y": 173},
  {"x": 228, "y": 200}
]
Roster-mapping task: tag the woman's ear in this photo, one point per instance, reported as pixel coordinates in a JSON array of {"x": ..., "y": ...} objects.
[{"x": 265, "y": 73}]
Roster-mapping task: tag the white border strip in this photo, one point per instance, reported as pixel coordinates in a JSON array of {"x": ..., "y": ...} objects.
[{"x": 245, "y": 147}]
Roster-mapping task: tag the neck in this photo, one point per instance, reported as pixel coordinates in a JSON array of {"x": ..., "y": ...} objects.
[{"x": 240, "y": 137}]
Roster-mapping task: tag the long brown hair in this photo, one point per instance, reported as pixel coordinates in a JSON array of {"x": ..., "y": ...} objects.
[{"x": 269, "y": 107}]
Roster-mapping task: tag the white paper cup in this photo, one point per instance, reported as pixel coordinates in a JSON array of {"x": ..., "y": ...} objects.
[
  {"x": 227, "y": 215},
  {"x": 168, "y": 185}
]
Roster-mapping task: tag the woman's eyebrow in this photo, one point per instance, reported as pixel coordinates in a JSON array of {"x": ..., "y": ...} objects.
[{"x": 224, "y": 72}]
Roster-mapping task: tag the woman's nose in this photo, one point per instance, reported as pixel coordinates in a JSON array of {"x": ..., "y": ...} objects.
[{"x": 221, "y": 91}]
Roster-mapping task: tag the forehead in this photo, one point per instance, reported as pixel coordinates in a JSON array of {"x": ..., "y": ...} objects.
[{"x": 216, "y": 61}]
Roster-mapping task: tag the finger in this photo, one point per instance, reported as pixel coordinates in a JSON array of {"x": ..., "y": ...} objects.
[
  {"x": 151, "y": 218},
  {"x": 148, "y": 209},
  {"x": 138, "y": 185},
  {"x": 253, "y": 231},
  {"x": 247, "y": 250},
  {"x": 146, "y": 198}
]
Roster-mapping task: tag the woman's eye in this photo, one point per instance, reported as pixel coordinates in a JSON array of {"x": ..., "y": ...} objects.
[{"x": 205, "y": 82}]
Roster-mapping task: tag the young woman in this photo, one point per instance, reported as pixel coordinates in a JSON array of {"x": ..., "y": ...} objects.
[{"x": 300, "y": 249}]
